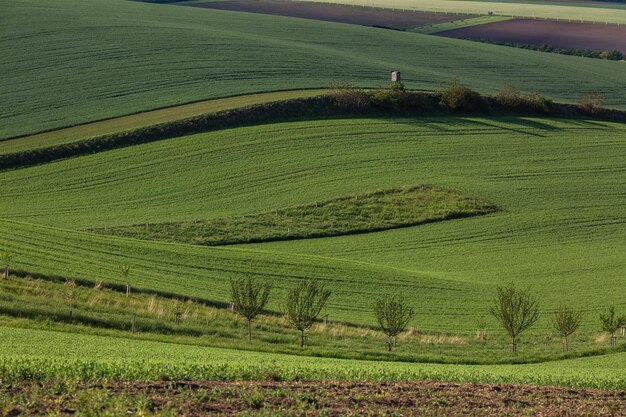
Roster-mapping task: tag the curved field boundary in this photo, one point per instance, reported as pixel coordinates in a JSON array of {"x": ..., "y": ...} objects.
[
  {"x": 567, "y": 12},
  {"x": 562, "y": 35},
  {"x": 314, "y": 106},
  {"x": 144, "y": 119}
]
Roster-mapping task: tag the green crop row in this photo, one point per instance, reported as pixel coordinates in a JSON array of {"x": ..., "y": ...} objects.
[{"x": 41, "y": 355}]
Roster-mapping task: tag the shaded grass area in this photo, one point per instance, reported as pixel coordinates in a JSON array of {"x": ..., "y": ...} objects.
[
  {"x": 311, "y": 398},
  {"x": 358, "y": 213},
  {"x": 39, "y": 304}
]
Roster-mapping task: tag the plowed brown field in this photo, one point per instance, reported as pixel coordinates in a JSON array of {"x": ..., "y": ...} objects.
[
  {"x": 329, "y": 398},
  {"x": 365, "y": 16},
  {"x": 564, "y": 35}
]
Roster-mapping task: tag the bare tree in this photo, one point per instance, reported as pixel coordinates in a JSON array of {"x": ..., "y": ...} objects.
[
  {"x": 611, "y": 323},
  {"x": 393, "y": 315},
  {"x": 249, "y": 296},
  {"x": 566, "y": 321},
  {"x": 124, "y": 271},
  {"x": 304, "y": 304},
  {"x": 71, "y": 295},
  {"x": 517, "y": 310},
  {"x": 5, "y": 261}
]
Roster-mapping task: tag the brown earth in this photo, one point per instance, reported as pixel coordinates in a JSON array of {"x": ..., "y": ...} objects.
[
  {"x": 330, "y": 398},
  {"x": 564, "y": 35},
  {"x": 366, "y": 16}
]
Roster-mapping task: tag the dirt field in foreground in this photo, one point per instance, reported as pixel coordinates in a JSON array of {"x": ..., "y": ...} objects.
[
  {"x": 307, "y": 398},
  {"x": 596, "y": 37},
  {"x": 332, "y": 13}
]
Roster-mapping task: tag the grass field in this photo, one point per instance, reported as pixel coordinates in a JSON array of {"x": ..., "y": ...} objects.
[
  {"x": 601, "y": 12},
  {"x": 154, "y": 155},
  {"x": 556, "y": 181},
  {"x": 141, "y": 56},
  {"x": 136, "y": 121},
  {"x": 41, "y": 354}
]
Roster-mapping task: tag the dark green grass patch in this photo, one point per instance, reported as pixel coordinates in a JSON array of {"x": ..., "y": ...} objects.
[{"x": 358, "y": 213}]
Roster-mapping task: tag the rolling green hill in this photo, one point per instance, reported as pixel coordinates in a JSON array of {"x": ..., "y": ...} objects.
[
  {"x": 558, "y": 183},
  {"x": 73, "y": 61}
]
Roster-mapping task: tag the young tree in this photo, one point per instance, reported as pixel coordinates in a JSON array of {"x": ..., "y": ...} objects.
[
  {"x": 304, "y": 304},
  {"x": 124, "y": 271},
  {"x": 393, "y": 315},
  {"x": 249, "y": 297},
  {"x": 611, "y": 323},
  {"x": 5, "y": 261},
  {"x": 566, "y": 321},
  {"x": 516, "y": 310},
  {"x": 70, "y": 295}
]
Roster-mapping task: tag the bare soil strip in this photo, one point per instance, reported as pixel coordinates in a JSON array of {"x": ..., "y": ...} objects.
[
  {"x": 330, "y": 398},
  {"x": 386, "y": 18},
  {"x": 564, "y": 35}
]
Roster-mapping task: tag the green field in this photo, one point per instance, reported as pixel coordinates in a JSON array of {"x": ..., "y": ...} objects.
[
  {"x": 140, "y": 56},
  {"x": 556, "y": 181},
  {"x": 602, "y": 12},
  {"x": 136, "y": 121},
  {"x": 439, "y": 208},
  {"x": 40, "y": 354}
]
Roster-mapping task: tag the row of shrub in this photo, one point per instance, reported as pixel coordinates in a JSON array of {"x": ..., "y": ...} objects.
[
  {"x": 455, "y": 97},
  {"x": 341, "y": 100},
  {"x": 613, "y": 55}
]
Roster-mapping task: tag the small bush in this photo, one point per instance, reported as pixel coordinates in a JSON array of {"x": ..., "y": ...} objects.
[
  {"x": 614, "y": 55},
  {"x": 591, "y": 103},
  {"x": 509, "y": 97},
  {"x": 386, "y": 100},
  {"x": 457, "y": 97},
  {"x": 347, "y": 97},
  {"x": 538, "y": 103}
]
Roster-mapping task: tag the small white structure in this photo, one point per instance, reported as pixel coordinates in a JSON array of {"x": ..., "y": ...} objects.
[{"x": 395, "y": 77}]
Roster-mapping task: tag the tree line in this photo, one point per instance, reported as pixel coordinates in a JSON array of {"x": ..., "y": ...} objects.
[{"x": 515, "y": 309}]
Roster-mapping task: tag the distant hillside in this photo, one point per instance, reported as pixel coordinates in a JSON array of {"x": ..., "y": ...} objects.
[{"x": 73, "y": 61}]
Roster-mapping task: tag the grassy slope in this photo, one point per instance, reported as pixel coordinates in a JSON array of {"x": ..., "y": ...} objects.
[
  {"x": 139, "y": 120},
  {"x": 44, "y": 354},
  {"x": 357, "y": 213},
  {"x": 42, "y": 304},
  {"x": 558, "y": 182},
  {"x": 598, "y": 12},
  {"x": 148, "y": 56}
]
